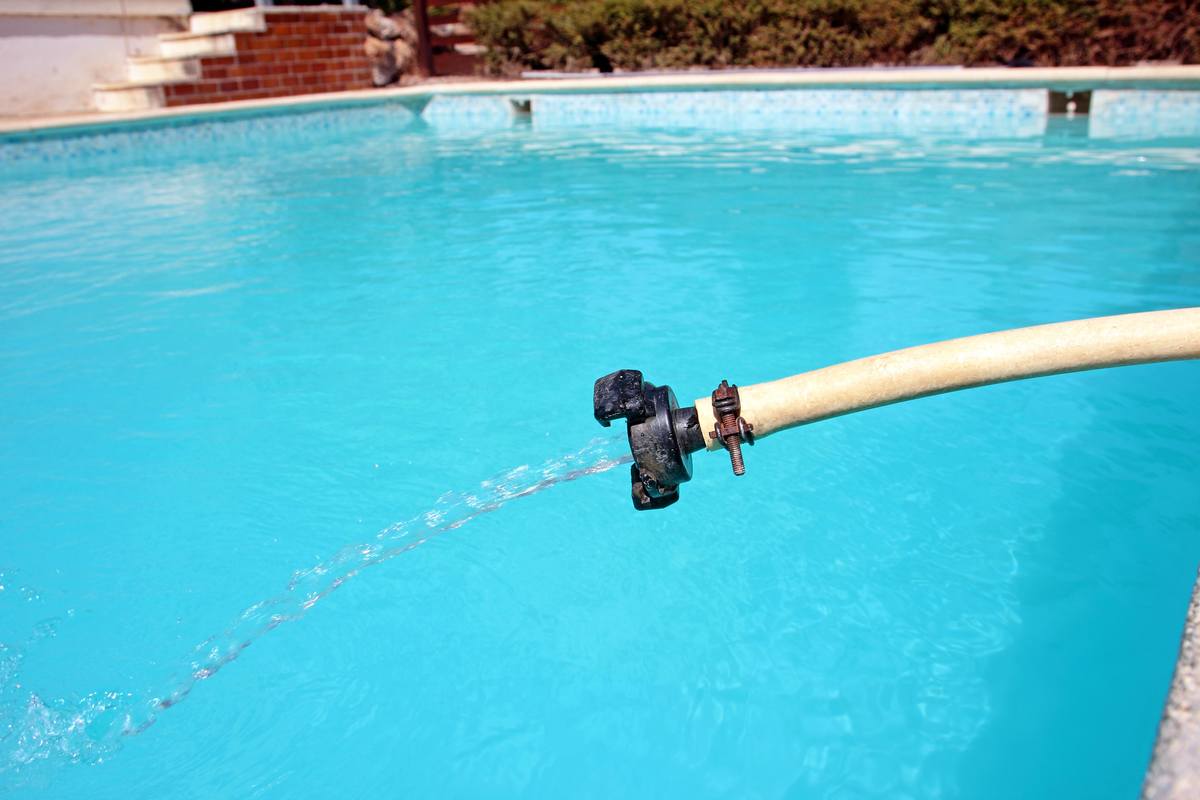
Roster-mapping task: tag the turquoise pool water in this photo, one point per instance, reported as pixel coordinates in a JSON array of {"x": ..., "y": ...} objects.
[{"x": 243, "y": 362}]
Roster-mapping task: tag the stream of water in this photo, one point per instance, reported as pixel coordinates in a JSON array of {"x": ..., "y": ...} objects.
[{"x": 37, "y": 726}]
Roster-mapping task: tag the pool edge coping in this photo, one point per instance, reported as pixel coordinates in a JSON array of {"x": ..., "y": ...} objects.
[
  {"x": 416, "y": 97},
  {"x": 1174, "y": 772}
]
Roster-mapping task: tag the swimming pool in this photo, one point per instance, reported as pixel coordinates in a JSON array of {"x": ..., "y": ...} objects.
[{"x": 233, "y": 353}]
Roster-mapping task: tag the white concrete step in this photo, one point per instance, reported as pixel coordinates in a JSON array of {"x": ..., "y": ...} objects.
[
  {"x": 195, "y": 45},
  {"x": 127, "y": 97},
  {"x": 161, "y": 70},
  {"x": 240, "y": 20},
  {"x": 135, "y": 84}
]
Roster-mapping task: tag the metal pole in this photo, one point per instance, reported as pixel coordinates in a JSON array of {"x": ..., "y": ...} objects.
[{"x": 424, "y": 50}]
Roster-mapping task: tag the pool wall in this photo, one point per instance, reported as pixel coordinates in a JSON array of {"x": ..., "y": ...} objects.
[
  {"x": 1011, "y": 111},
  {"x": 1144, "y": 113},
  {"x": 1126, "y": 101}
]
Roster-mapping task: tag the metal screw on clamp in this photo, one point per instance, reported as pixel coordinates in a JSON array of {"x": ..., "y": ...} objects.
[{"x": 731, "y": 430}]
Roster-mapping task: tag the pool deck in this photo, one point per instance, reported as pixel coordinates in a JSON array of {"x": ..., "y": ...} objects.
[
  {"x": 417, "y": 96},
  {"x": 1174, "y": 772}
]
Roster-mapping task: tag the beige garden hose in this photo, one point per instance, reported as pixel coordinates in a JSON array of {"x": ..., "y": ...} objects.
[
  {"x": 663, "y": 435},
  {"x": 961, "y": 364}
]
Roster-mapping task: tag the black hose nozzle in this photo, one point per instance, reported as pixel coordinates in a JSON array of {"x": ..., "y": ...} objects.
[{"x": 662, "y": 436}]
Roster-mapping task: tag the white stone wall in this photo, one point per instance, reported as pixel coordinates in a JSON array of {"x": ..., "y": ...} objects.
[{"x": 52, "y": 51}]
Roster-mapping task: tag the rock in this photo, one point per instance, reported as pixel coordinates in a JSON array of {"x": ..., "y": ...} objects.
[
  {"x": 376, "y": 48},
  {"x": 391, "y": 45},
  {"x": 383, "y": 75},
  {"x": 405, "y": 55},
  {"x": 382, "y": 26},
  {"x": 408, "y": 26},
  {"x": 383, "y": 61}
]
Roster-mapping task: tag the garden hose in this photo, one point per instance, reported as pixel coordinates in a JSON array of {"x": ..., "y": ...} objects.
[{"x": 663, "y": 436}]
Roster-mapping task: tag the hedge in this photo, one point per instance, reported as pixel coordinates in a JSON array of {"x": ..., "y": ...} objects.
[{"x": 675, "y": 34}]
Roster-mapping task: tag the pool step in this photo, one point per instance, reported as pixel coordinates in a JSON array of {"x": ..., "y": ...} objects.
[
  {"x": 178, "y": 60},
  {"x": 156, "y": 69},
  {"x": 202, "y": 64},
  {"x": 195, "y": 45},
  {"x": 144, "y": 89},
  {"x": 116, "y": 97},
  {"x": 240, "y": 20}
]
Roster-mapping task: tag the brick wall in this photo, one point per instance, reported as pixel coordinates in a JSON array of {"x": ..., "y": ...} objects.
[{"x": 299, "y": 53}]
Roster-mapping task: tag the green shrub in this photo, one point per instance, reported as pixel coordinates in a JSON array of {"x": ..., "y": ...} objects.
[
  {"x": 388, "y": 6},
  {"x": 672, "y": 34}
]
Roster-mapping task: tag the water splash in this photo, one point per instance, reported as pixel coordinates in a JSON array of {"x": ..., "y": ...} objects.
[{"x": 92, "y": 728}]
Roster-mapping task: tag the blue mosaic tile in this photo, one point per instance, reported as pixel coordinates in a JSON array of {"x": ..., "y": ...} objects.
[
  {"x": 1144, "y": 113},
  {"x": 471, "y": 111},
  {"x": 235, "y": 132},
  {"x": 969, "y": 111}
]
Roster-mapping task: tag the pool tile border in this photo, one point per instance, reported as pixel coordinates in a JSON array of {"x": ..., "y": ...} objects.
[{"x": 416, "y": 97}]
